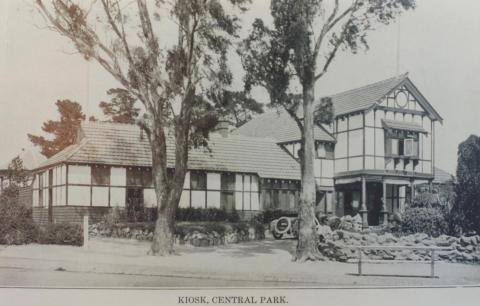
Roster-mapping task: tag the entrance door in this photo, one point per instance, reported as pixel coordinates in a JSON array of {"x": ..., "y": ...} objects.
[{"x": 134, "y": 204}]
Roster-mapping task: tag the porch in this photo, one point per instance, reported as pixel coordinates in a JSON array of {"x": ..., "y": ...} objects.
[{"x": 375, "y": 199}]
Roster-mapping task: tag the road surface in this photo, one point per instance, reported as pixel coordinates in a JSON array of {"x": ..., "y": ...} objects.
[{"x": 13, "y": 277}]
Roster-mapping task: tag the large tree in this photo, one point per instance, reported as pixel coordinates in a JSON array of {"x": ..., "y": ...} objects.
[
  {"x": 121, "y": 108},
  {"x": 176, "y": 82},
  {"x": 298, "y": 50},
  {"x": 466, "y": 209},
  {"x": 62, "y": 131}
]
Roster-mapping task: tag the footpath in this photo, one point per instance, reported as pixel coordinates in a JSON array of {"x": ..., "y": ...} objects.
[{"x": 262, "y": 261}]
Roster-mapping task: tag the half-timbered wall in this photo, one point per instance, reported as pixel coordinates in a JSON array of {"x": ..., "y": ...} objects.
[
  {"x": 323, "y": 163},
  {"x": 349, "y": 149},
  {"x": 51, "y": 182},
  {"x": 363, "y": 144},
  {"x": 106, "y": 186}
]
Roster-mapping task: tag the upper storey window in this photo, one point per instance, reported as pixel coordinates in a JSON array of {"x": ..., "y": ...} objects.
[{"x": 401, "y": 143}]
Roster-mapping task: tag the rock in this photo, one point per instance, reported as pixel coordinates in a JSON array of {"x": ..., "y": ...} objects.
[
  {"x": 389, "y": 238},
  {"x": 334, "y": 222},
  {"x": 356, "y": 236},
  {"x": 419, "y": 237},
  {"x": 357, "y": 219},
  {"x": 441, "y": 242}
]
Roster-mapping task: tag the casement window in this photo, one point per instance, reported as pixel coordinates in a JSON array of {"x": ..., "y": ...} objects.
[
  {"x": 100, "y": 175},
  {"x": 198, "y": 180},
  {"x": 401, "y": 144}
]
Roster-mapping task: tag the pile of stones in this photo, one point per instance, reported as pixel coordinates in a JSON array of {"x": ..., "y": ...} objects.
[{"x": 461, "y": 249}]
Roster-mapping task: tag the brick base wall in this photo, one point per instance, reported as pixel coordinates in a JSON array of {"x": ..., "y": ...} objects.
[
  {"x": 74, "y": 214},
  {"x": 70, "y": 214}
]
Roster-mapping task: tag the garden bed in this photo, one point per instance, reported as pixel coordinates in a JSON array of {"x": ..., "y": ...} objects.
[{"x": 203, "y": 234}]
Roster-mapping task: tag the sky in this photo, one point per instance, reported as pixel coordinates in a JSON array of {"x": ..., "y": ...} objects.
[{"x": 438, "y": 44}]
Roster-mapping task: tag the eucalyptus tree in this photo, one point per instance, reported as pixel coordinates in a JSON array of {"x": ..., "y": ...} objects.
[
  {"x": 176, "y": 82},
  {"x": 297, "y": 52}
]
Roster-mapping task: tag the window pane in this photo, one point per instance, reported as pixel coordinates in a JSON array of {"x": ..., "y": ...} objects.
[
  {"x": 118, "y": 176},
  {"x": 228, "y": 181},
  {"x": 79, "y": 175},
  {"x": 79, "y": 195},
  {"x": 198, "y": 180},
  {"x": 321, "y": 151},
  {"x": 149, "y": 198},
  {"x": 213, "y": 181},
  {"x": 395, "y": 146},
  {"x": 100, "y": 196},
  {"x": 101, "y": 175},
  {"x": 117, "y": 197},
  {"x": 198, "y": 199}
]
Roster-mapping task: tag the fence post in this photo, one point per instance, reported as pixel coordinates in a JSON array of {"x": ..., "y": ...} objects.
[
  {"x": 359, "y": 261},
  {"x": 432, "y": 264},
  {"x": 85, "y": 231}
]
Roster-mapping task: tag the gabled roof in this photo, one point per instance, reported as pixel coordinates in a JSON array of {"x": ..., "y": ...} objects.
[
  {"x": 280, "y": 126},
  {"x": 124, "y": 145},
  {"x": 442, "y": 177},
  {"x": 366, "y": 97}
]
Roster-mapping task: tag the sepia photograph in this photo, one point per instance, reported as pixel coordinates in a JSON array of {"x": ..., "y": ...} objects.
[{"x": 280, "y": 148}]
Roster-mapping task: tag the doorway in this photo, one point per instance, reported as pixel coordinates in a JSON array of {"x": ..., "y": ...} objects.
[{"x": 134, "y": 203}]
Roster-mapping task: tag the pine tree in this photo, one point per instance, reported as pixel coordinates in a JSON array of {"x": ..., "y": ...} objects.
[{"x": 63, "y": 131}]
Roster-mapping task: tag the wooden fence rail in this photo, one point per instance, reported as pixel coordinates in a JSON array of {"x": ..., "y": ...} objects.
[{"x": 361, "y": 249}]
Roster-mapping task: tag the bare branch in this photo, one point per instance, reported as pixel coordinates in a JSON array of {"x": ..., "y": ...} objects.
[{"x": 333, "y": 53}]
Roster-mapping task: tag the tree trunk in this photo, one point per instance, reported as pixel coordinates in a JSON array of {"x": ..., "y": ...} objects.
[
  {"x": 168, "y": 186},
  {"x": 307, "y": 247}
]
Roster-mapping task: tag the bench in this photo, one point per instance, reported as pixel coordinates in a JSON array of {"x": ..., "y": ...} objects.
[{"x": 361, "y": 249}]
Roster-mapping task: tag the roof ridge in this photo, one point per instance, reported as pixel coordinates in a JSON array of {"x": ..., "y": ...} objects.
[
  {"x": 107, "y": 123},
  {"x": 399, "y": 77}
]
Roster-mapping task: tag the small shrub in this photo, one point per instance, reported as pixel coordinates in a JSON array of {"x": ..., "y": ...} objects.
[
  {"x": 16, "y": 223},
  {"x": 191, "y": 214},
  {"x": 428, "y": 220},
  {"x": 61, "y": 233}
]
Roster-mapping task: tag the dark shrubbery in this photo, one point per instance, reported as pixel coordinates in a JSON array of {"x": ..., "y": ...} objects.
[
  {"x": 16, "y": 223},
  {"x": 208, "y": 214},
  {"x": 17, "y": 226},
  {"x": 61, "y": 233},
  {"x": 466, "y": 210},
  {"x": 429, "y": 220}
]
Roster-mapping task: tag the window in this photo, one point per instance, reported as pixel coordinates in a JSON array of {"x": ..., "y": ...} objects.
[
  {"x": 321, "y": 150},
  {"x": 410, "y": 147},
  {"x": 101, "y": 175},
  {"x": 139, "y": 177},
  {"x": 228, "y": 182},
  {"x": 401, "y": 143},
  {"x": 198, "y": 180}
]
